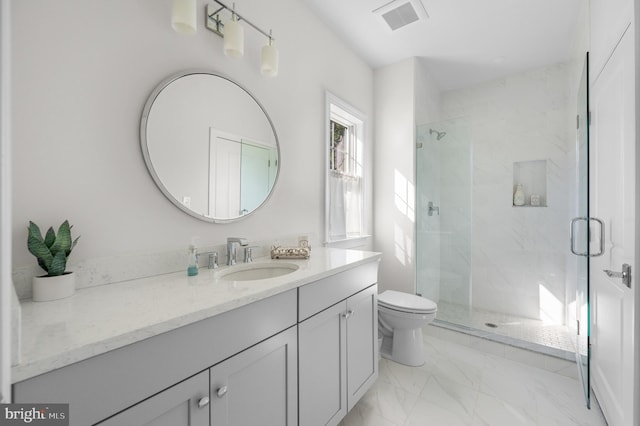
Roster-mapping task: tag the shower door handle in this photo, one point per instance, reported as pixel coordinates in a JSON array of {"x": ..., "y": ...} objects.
[{"x": 572, "y": 239}]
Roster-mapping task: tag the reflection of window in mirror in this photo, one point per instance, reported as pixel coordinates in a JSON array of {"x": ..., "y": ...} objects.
[{"x": 345, "y": 192}]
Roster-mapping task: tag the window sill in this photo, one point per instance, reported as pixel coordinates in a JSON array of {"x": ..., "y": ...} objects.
[{"x": 351, "y": 240}]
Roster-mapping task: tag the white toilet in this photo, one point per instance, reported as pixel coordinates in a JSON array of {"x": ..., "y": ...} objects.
[{"x": 401, "y": 317}]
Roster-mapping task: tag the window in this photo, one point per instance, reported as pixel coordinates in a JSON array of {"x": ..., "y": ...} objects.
[{"x": 345, "y": 176}]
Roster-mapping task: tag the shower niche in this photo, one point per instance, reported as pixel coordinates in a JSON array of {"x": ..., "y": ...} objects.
[{"x": 532, "y": 176}]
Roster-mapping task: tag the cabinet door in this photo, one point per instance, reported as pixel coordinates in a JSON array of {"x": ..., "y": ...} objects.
[
  {"x": 322, "y": 358},
  {"x": 184, "y": 404},
  {"x": 362, "y": 343},
  {"x": 257, "y": 386}
]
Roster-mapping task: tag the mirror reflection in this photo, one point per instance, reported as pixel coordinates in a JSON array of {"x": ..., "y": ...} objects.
[{"x": 210, "y": 146}]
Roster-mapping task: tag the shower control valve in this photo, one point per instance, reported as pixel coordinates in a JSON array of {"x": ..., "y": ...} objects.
[{"x": 431, "y": 209}]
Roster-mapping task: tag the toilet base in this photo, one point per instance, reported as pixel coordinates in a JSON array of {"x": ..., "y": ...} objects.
[{"x": 404, "y": 347}]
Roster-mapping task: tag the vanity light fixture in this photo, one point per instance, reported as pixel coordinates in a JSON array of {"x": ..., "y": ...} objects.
[
  {"x": 233, "y": 34},
  {"x": 269, "y": 60},
  {"x": 183, "y": 16}
]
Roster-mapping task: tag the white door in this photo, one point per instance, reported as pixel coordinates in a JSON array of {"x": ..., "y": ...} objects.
[
  {"x": 224, "y": 176},
  {"x": 614, "y": 336}
]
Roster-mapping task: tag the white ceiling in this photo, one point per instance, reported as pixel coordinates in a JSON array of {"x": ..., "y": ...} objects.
[{"x": 464, "y": 42}]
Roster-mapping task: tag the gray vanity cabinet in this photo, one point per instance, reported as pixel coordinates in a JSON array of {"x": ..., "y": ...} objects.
[
  {"x": 133, "y": 378},
  {"x": 362, "y": 344},
  {"x": 184, "y": 404},
  {"x": 323, "y": 359},
  {"x": 338, "y": 358},
  {"x": 258, "y": 386}
]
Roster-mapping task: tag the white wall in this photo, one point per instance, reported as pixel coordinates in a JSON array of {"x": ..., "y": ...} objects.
[
  {"x": 82, "y": 72},
  {"x": 404, "y": 95}
]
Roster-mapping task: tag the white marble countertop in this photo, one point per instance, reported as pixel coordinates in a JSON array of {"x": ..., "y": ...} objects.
[{"x": 98, "y": 319}]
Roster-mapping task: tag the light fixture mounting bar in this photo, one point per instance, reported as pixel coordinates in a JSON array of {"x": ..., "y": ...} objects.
[{"x": 214, "y": 23}]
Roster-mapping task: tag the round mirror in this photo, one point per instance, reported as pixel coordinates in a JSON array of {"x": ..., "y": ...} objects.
[{"x": 209, "y": 145}]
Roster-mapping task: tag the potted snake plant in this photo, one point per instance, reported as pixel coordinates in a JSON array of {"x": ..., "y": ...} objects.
[{"x": 52, "y": 253}]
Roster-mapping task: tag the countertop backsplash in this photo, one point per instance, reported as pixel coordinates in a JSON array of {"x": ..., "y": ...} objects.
[{"x": 130, "y": 266}]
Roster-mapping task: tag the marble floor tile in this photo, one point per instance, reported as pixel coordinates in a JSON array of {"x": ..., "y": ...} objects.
[
  {"x": 537, "y": 332},
  {"x": 460, "y": 385}
]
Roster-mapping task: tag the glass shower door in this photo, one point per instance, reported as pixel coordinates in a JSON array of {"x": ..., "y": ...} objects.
[
  {"x": 580, "y": 233},
  {"x": 443, "y": 220}
]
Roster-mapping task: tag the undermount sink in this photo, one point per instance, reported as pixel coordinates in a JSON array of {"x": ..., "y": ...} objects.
[{"x": 257, "y": 271}]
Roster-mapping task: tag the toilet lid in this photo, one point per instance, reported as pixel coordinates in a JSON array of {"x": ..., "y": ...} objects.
[{"x": 401, "y": 301}]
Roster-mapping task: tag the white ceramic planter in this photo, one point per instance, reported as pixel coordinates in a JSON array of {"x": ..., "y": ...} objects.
[{"x": 53, "y": 288}]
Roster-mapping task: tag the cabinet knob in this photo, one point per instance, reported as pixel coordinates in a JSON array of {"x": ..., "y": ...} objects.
[
  {"x": 221, "y": 391},
  {"x": 203, "y": 402},
  {"x": 348, "y": 313}
]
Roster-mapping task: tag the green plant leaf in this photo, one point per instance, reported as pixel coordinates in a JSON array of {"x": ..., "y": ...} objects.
[
  {"x": 58, "y": 264},
  {"x": 73, "y": 245},
  {"x": 63, "y": 239},
  {"x": 34, "y": 231},
  {"x": 42, "y": 265},
  {"x": 40, "y": 250},
  {"x": 50, "y": 238}
]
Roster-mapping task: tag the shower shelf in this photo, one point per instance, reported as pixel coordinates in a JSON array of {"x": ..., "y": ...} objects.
[{"x": 532, "y": 175}]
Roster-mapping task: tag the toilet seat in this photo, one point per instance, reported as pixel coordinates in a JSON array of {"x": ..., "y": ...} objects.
[{"x": 405, "y": 302}]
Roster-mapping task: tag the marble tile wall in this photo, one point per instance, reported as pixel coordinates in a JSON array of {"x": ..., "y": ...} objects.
[
  {"x": 456, "y": 211},
  {"x": 517, "y": 255}
]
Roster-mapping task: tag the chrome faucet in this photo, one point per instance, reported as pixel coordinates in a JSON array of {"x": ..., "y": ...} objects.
[{"x": 232, "y": 247}]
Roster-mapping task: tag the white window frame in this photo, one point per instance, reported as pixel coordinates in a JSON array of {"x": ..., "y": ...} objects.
[{"x": 346, "y": 113}]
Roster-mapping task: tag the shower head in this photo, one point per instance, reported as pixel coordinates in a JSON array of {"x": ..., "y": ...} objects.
[{"x": 439, "y": 135}]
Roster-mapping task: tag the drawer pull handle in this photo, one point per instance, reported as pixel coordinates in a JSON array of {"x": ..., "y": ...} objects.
[
  {"x": 203, "y": 402},
  {"x": 348, "y": 314},
  {"x": 221, "y": 391}
]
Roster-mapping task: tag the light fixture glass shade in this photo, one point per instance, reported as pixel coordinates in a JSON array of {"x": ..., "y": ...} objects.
[
  {"x": 233, "y": 39},
  {"x": 269, "y": 62},
  {"x": 183, "y": 16}
]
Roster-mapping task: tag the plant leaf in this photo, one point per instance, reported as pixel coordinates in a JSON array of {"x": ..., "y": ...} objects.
[
  {"x": 58, "y": 264},
  {"x": 40, "y": 250},
  {"x": 50, "y": 238},
  {"x": 73, "y": 245},
  {"x": 34, "y": 231},
  {"x": 42, "y": 265},
  {"x": 63, "y": 239}
]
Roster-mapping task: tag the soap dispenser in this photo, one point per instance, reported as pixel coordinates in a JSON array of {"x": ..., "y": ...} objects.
[
  {"x": 518, "y": 196},
  {"x": 192, "y": 268}
]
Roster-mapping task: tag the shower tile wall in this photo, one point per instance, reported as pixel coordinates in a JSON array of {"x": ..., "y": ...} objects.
[{"x": 517, "y": 253}]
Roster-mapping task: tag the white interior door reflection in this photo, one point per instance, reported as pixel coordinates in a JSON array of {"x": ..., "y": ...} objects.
[
  {"x": 224, "y": 171},
  {"x": 241, "y": 174}
]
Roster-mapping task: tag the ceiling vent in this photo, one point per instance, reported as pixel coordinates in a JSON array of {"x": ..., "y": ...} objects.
[{"x": 399, "y": 13}]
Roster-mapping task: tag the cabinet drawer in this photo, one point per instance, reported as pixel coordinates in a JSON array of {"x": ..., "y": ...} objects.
[{"x": 318, "y": 295}]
